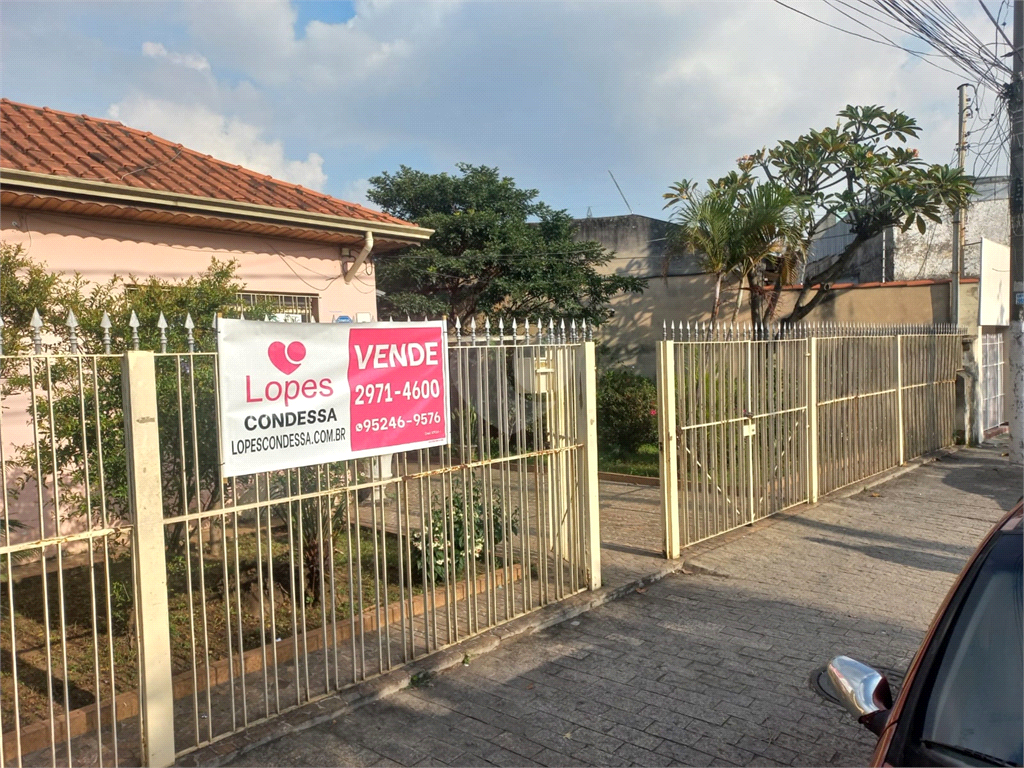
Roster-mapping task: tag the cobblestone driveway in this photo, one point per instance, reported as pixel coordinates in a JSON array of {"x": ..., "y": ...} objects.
[{"x": 709, "y": 667}]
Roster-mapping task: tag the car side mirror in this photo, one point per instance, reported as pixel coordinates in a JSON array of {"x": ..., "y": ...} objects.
[{"x": 864, "y": 691}]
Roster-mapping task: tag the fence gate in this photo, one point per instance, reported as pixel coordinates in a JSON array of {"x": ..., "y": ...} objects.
[
  {"x": 734, "y": 431},
  {"x": 151, "y": 607},
  {"x": 992, "y": 362},
  {"x": 755, "y": 420}
]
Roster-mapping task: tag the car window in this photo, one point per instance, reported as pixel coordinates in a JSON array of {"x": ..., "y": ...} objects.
[{"x": 975, "y": 709}]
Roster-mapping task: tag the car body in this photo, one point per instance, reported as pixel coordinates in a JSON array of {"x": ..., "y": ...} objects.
[{"x": 962, "y": 700}]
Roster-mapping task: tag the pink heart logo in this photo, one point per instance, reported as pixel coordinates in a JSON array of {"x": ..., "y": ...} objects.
[{"x": 286, "y": 360}]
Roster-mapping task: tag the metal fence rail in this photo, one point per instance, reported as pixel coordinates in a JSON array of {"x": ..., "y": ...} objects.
[
  {"x": 68, "y": 660},
  {"x": 757, "y": 419},
  {"x": 262, "y": 593}
]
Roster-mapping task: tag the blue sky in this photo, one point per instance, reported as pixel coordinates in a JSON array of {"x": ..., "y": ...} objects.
[{"x": 328, "y": 94}]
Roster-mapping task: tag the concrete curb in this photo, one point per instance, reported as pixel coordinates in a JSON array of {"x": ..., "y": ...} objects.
[
  {"x": 618, "y": 477},
  {"x": 347, "y": 701}
]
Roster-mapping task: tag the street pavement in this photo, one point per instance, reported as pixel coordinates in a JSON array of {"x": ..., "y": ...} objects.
[{"x": 710, "y": 666}]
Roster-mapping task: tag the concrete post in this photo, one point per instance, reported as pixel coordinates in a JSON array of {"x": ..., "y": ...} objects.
[
  {"x": 669, "y": 470},
  {"x": 142, "y": 441},
  {"x": 974, "y": 405},
  {"x": 586, "y": 430}
]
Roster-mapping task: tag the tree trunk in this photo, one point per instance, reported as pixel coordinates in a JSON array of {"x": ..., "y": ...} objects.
[
  {"x": 718, "y": 298},
  {"x": 754, "y": 281},
  {"x": 800, "y": 310}
]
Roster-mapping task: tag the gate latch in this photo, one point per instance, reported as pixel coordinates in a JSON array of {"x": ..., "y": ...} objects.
[{"x": 749, "y": 429}]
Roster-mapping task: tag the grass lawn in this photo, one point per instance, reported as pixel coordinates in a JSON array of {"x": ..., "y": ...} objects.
[{"x": 643, "y": 461}]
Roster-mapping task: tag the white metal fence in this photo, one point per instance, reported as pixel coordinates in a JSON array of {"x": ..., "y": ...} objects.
[
  {"x": 755, "y": 420},
  {"x": 140, "y": 588},
  {"x": 992, "y": 373}
]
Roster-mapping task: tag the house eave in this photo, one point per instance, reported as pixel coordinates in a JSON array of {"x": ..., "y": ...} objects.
[{"x": 70, "y": 188}]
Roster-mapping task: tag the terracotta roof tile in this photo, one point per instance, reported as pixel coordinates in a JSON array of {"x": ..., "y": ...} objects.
[{"x": 42, "y": 140}]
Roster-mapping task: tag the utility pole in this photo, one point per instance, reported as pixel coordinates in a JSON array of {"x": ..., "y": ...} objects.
[
  {"x": 958, "y": 215},
  {"x": 1016, "y": 345}
]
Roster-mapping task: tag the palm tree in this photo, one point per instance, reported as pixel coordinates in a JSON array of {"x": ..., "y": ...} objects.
[{"x": 734, "y": 228}]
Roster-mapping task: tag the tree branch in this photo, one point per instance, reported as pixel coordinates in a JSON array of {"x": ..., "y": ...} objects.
[{"x": 822, "y": 279}]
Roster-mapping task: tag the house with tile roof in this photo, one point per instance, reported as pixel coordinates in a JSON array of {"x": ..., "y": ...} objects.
[{"x": 90, "y": 195}]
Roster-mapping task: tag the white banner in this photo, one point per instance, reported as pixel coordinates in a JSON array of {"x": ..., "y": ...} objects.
[{"x": 292, "y": 395}]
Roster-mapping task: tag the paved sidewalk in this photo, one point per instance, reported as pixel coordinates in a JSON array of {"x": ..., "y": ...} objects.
[{"x": 707, "y": 667}]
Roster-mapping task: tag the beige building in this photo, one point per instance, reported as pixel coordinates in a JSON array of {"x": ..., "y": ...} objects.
[{"x": 681, "y": 292}]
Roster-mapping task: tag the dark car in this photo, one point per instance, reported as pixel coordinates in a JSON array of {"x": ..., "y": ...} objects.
[{"x": 962, "y": 701}]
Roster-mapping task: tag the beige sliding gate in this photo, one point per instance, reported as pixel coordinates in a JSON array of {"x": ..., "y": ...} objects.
[
  {"x": 755, "y": 420},
  {"x": 150, "y": 607}
]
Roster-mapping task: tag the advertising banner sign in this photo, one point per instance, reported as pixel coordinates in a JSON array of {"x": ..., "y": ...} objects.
[{"x": 295, "y": 395}]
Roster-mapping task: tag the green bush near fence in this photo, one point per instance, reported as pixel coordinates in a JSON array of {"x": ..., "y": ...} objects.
[
  {"x": 627, "y": 410},
  {"x": 451, "y": 536}
]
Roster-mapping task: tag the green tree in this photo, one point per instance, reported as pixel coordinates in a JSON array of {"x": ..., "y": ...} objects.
[
  {"x": 86, "y": 402},
  {"x": 858, "y": 172},
  {"x": 734, "y": 227},
  {"x": 496, "y": 250}
]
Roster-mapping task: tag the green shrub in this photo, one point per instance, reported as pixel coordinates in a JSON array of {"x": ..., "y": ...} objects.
[
  {"x": 627, "y": 415},
  {"x": 457, "y": 545}
]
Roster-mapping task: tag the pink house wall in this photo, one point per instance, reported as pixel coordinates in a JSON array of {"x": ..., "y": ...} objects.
[{"x": 98, "y": 249}]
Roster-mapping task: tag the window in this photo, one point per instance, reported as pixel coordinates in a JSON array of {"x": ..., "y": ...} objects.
[
  {"x": 973, "y": 712},
  {"x": 292, "y": 308}
]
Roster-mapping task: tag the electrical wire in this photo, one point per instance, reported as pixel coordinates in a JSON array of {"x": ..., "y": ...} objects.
[{"x": 886, "y": 42}]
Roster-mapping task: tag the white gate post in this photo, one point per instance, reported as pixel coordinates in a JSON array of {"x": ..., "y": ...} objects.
[
  {"x": 142, "y": 442},
  {"x": 899, "y": 394},
  {"x": 812, "y": 421},
  {"x": 586, "y": 431},
  {"x": 669, "y": 470}
]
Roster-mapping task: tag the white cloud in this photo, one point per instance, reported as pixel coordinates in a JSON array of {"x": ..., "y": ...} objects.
[
  {"x": 187, "y": 60},
  {"x": 230, "y": 140},
  {"x": 554, "y": 93}
]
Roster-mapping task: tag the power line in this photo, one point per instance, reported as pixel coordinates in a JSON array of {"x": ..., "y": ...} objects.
[{"x": 922, "y": 56}]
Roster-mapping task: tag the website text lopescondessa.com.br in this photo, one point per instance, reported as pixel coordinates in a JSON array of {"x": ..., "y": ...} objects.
[{"x": 287, "y": 440}]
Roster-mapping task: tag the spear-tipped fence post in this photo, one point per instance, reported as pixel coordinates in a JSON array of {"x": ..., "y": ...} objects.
[
  {"x": 472, "y": 329},
  {"x": 133, "y": 323},
  {"x": 501, "y": 331},
  {"x": 105, "y": 325},
  {"x": 458, "y": 330},
  {"x": 72, "y": 324},
  {"x": 551, "y": 330},
  {"x": 37, "y": 335},
  {"x": 189, "y": 325},
  {"x": 487, "y": 330},
  {"x": 161, "y": 323},
  {"x": 561, "y": 329},
  {"x": 515, "y": 331}
]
